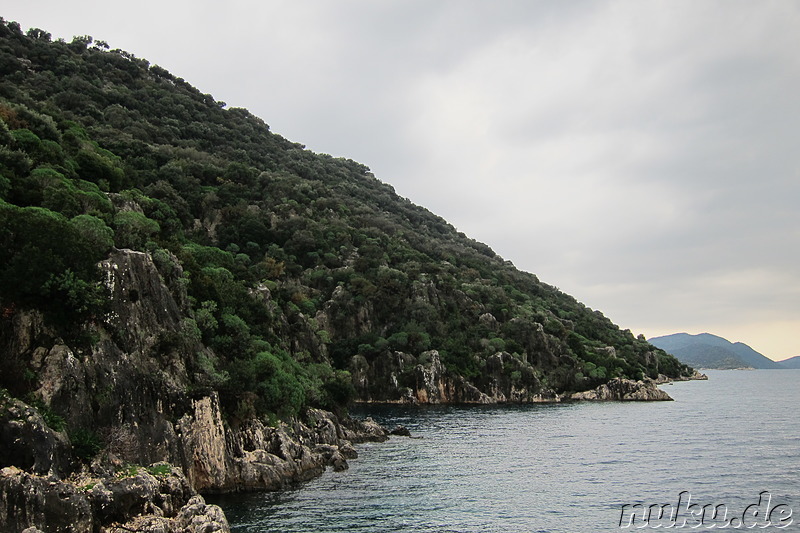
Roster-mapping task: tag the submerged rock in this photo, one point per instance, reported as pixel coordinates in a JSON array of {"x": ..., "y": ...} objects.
[{"x": 400, "y": 431}]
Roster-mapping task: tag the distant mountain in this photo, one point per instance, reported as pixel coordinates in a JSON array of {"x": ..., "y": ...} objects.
[
  {"x": 791, "y": 363},
  {"x": 710, "y": 351}
]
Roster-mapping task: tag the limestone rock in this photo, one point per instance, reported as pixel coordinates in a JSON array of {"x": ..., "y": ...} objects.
[
  {"x": 199, "y": 517},
  {"x": 142, "y": 305},
  {"x": 27, "y": 442},
  {"x": 366, "y": 430},
  {"x": 138, "y": 502},
  {"x": 27, "y": 501},
  {"x": 120, "y": 499},
  {"x": 619, "y": 389},
  {"x": 396, "y": 377}
]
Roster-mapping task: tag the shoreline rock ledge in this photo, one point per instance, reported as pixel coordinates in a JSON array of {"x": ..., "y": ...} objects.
[
  {"x": 45, "y": 488},
  {"x": 619, "y": 389}
]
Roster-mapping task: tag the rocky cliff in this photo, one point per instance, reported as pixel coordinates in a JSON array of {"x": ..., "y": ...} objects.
[
  {"x": 397, "y": 377},
  {"x": 132, "y": 398}
]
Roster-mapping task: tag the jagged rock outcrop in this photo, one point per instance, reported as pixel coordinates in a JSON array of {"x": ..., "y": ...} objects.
[
  {"x": 29, "y": 443},
  {"x": 28, "y": 500},
  {"x": 398, "y": 377},
  {"x": 142, "y": 305},
  {"x": 138, "y": 501},
  {"x": 619, "y": 389},
  {"x": 257, "y": 456},
  {"x": 216, "y": 458}
]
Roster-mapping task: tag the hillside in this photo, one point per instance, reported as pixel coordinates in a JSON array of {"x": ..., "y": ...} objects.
[
  {"x": 291, "y": 261},
  {"x": 180, "y": 284},
  {"x": 791, "y": 363},
  {"x": 710, "y": 351}
]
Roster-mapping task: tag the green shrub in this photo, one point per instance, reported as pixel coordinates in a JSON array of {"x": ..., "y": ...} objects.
[
  {"x": 160, "y": 469},
  {"x": 85, "y": 444},
  {"x": 53, "y": 420},
  {"x": 133, "y": 230}
]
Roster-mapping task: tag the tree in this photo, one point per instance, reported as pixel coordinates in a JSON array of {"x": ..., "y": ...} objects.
[
  {"x": 98, "y": 236},
  {"x": 46, "y": 261},
  {"x": 133, "y": 230}
]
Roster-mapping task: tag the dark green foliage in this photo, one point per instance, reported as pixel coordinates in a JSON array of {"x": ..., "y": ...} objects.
[
  {"x": 47, "y": 262},
  {"x": 98, "y": 236},
  {"x": 133, "y": 230},
  {"x": 53, "y": 420},
  {"x": 85, "y": 444},
  {"x": 98, "y": 148}
]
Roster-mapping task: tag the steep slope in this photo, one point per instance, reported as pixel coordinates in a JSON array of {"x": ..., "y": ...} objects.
[
  {"x": 311, "y": 281},
  {"x": 710, "y": 351}
]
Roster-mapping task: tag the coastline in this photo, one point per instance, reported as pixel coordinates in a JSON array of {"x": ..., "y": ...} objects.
[
  {"x": 43, "y": 489},
  {"x": 112, "y": 496}
]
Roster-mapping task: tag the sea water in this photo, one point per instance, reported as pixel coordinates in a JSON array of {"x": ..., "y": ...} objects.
[{"x": 729, "y": 444}]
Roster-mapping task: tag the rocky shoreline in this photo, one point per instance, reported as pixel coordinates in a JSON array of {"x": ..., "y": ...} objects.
[
  {"x": 45, "y": 490},
  {"x": 122, "y": 435}
]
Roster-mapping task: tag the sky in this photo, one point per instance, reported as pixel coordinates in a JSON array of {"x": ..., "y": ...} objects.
[{"x": 641, "y": 155}]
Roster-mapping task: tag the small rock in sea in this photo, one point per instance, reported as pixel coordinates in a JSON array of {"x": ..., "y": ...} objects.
[{"x": 401, "y": 431}]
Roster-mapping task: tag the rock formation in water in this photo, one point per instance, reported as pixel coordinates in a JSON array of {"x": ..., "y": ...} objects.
[{"x": 624, "y": 390}]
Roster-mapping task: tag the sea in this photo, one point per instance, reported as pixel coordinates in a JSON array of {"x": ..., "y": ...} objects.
[{"x": 724, "y": 455}]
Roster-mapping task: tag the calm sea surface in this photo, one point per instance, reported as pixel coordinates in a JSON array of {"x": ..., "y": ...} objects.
[{"x": 554, "y": 468}]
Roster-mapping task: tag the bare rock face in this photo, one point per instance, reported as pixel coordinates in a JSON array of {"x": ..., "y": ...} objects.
[
  {"x": 198, "y": 517},
  {"x": 143, "y": 306},
  {"x": 28, "y": 443},
  {"x": 396, "y": 377},
  {"x": 27, "y": 500},
  {"x": 215, "y": 457},
  {"x": 202, "y": 440},
  {"x": 619, "y": 389},
  {"x": 255, "y": 456},
  {"x": 364, "y": 431}
]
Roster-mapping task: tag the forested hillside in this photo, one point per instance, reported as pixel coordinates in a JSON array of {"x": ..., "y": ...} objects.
[{"x": 302, "y": 279}]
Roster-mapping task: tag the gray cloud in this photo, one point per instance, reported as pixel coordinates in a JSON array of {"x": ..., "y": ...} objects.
[{"x": 640, "y": 155}]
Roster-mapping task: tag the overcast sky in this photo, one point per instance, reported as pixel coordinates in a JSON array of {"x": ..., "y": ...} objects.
[{"x": 643, "y": 156}]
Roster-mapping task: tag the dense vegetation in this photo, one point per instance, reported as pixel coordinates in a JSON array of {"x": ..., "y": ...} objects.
[{"x": 100, "y": 149}]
